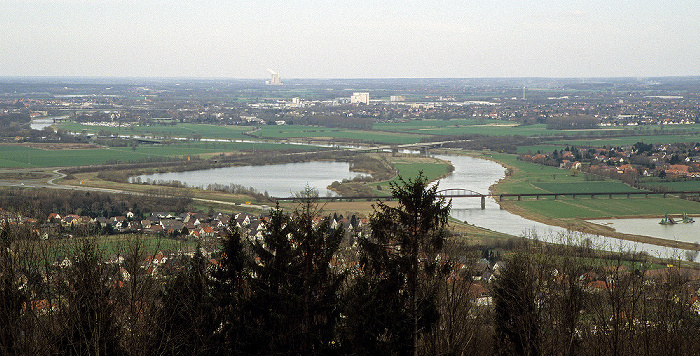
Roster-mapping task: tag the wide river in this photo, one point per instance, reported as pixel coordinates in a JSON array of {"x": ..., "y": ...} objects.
[{"x": 470, "y": 173}]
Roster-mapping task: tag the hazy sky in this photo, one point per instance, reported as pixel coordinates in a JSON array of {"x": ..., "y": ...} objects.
[{"x": 349, "y": 39}]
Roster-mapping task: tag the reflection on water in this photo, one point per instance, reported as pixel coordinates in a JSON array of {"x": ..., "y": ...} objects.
[
  {"x": 479, "y": 174},
  {"x": 40, "y": 124},
  {"x": 470, "y": 173},
  {"x": 685, "y": 232},
  {"x": 279, "y": 180}
]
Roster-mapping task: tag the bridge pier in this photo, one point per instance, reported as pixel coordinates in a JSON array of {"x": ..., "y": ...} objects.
[
  {"x": 555, "y": 197},
  {"x": 573, "y": 196},
  {"x": 519, "y": 197},
  {"x": 610, "y": 196},
  {"x": 483, "y": 202}
]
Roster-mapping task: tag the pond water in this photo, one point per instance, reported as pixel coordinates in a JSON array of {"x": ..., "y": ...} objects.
[
  {"x": 40, "y": 124},
  {"x": 685, "y": 232},
  {"x": 279, "y": 180}
]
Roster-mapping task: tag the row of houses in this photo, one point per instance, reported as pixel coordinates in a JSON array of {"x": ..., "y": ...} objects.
[{"x": 185, "y": 225}]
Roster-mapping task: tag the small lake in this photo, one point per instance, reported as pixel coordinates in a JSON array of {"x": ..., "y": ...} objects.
[
  {"x": 685, "y": 232},
  {"x": 279, "y": 180},
  {"x": 40, "y": 124}
]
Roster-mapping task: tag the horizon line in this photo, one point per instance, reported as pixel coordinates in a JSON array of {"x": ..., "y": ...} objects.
[{"x": 328, "y": 78}]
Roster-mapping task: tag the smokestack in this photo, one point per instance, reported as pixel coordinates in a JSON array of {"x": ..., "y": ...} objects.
[{"x": 275, "y": 80}]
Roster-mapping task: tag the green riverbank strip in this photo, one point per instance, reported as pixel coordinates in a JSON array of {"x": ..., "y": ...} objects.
[{"x": 525, "y": 178}]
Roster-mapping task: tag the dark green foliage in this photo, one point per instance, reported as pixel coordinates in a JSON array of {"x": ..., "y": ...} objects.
[
  {"x": 294, "y": 301},
  {"x": 188, "y": 311},
  {"x": 11, "y": 297},
  {"x": 401, "y": 261},
  {"x": 91, "y": 326},
  {"x": 230, "y": 282},
  {"x": 516, "y": 312}
]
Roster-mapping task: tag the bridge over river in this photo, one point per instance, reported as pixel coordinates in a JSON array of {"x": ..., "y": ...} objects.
[{"x": 466, "y": 193}]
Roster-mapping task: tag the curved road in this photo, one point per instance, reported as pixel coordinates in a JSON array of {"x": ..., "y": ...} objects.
[{"x": 56, "y": 174}]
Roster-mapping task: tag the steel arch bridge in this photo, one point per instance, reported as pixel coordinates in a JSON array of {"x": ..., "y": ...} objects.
[
  {"x": 459, "y": 193},
  {"x": 463, "y": 193}
]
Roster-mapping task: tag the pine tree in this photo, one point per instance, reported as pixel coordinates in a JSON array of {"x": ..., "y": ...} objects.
[
  {"x": 516, "y": 313},
  {"x": 401, "y": 255},
  {"x": 294, "y": 302}
]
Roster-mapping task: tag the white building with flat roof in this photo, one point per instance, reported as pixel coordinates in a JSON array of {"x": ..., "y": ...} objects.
[{"x": 359, "y": 98}]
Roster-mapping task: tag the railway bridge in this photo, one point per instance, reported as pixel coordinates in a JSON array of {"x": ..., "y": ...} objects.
[{"x": 466, "y": 193}]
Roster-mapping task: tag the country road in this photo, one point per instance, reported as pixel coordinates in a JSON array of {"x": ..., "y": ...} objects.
[{"x": 49, "y": 183}]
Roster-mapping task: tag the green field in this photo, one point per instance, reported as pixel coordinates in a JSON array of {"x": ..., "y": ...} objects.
[
  {"x": 265, "y": 132},
  {"x": 587, "y": 208},
  {"x": 533, "y": 178},
  {"x": 407, "y": 171},
  {"x": 627, "y": 141},
  {"x": 585, "y": 187},
  {"x": 16, "y": 156},
  {"x": 503, "y": 128},
  {"x": 302, "y": 132},
  {"x": 117, "y": 244},
  {"x": 178, "y": 130},
  {"x": 690, "y": 185}
]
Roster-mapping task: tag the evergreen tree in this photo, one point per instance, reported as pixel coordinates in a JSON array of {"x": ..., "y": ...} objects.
[
  {"x": 90, "y": 323},
  {"x": 231, "y": 284},
  {"x": 294, "y": 303},
  {"x": 516, "y": 313},
  {"x": 12, "y": 298},
  {"x": 188, "y": 311},
  {"x": 401, "y": 257}
]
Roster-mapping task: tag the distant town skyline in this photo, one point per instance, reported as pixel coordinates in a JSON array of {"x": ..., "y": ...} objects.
[{"x": 359, "y": 39}]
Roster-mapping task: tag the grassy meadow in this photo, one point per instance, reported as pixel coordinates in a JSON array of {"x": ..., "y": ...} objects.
[
  {"x": 301, "y": 132},
  {"x": 177, "y": 130},
  {"x": 24, "y": 156},
  {"x": 528, "y": 177}
]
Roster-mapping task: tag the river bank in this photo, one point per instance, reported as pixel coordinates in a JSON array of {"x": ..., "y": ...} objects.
[{"x": 573, "y": 224}]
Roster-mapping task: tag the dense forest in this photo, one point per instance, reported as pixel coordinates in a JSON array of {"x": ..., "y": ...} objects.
[{"x": 302, "y": 286}]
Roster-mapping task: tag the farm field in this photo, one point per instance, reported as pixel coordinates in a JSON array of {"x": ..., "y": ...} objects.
[
  {"x": 23, "y": 156},
  {"x": 302, "y": 132},
  {"x": 465, "y": 127},
  {"x": 626, "y": 141},
  {"x": 491, "y": 127},
  {"x": 586, "y": 208},
  {"x": 690, "y": 185},
  {"x": 115, "y": 244},
  {"x": 585, "y": 187},
  {"x": 177, "y": 130},
  {"x": 527, "y": 177}
]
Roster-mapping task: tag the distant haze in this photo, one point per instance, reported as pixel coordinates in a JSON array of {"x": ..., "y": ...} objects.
[{"x": 349, "y": 39}]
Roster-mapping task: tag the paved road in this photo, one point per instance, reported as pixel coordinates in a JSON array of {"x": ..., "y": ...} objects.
[{"x": 50, "y": 183}]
